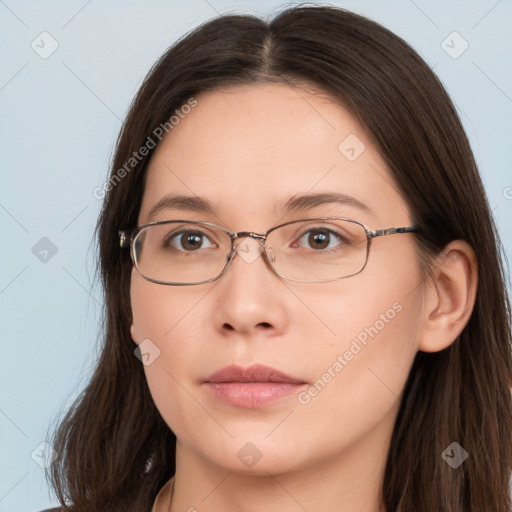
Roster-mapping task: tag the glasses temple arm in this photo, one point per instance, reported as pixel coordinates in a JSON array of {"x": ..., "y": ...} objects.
[{"x": 391, "y": 231}]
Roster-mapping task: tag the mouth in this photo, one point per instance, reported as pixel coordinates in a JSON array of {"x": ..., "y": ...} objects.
[{"x": 251, "y": 387}]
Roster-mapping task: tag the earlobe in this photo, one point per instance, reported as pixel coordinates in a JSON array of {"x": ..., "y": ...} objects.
[
  {"x": 133, "y": 332},
  {"x": 449, "y": 297}
]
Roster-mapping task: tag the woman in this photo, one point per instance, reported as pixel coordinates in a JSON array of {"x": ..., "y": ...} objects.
[{"x": 305, "y": 302}]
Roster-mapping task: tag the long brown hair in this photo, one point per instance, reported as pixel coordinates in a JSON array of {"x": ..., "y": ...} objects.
[{"x": 460, "y": 394}]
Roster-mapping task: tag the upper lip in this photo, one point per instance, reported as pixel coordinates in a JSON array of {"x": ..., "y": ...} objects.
[{"x": 255, "y": 373}]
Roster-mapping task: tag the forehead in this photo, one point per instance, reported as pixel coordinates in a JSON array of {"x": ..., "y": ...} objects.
[{"x": 247, "y": 149}]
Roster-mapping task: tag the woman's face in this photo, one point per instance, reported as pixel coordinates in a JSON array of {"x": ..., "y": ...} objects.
[{"x": 347, "y": 345}]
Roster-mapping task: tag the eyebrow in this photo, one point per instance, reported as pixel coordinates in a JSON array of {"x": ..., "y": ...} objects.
[
  {"x": 293, "y": 204},
  {"x": 308, "y": 201}
]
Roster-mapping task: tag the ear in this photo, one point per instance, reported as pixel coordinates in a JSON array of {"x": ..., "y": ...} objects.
[{"x": 449, "y": 296}]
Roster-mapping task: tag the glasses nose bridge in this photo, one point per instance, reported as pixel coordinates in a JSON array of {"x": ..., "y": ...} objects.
[
  {"x": 262, "y": 238},
  {"x": 247, "y": 234},
  {"x": 250, "y": 234}
]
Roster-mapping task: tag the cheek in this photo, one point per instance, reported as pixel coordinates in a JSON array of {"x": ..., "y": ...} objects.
[
  {"x": 166, "y": 320},
  {"x": 361, "y": 370},
  {"x": 357, "y": 380},
  {"x": 164, "y": 326},
  {"x": 160, "y": 310}
]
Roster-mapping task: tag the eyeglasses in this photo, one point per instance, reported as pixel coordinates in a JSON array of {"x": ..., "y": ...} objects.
[{"x": 187, "y": 252}]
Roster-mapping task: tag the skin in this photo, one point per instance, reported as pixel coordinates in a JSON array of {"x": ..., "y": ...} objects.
[{"x": 247, "y": 149}]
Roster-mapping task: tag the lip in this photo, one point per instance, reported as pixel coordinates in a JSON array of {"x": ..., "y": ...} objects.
[{"x": 251, "y": 387}]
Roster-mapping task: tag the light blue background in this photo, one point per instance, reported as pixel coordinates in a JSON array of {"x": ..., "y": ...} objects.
[{"x": 59, "y": 120}]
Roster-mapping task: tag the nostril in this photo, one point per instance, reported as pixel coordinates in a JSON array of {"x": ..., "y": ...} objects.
[{"x": 264, "y": 324}]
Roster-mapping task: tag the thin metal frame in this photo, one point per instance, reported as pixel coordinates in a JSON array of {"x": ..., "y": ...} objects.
[{"x": 127, "y": 238}]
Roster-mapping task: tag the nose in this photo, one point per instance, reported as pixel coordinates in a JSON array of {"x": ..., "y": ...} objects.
[{"x": 250, "y": 297}]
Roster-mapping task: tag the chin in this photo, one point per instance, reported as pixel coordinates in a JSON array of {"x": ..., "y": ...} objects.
[{"x": 257, "y": 455}]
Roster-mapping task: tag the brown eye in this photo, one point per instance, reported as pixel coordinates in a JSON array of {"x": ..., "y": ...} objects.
[
  {"x": 319, "y": 239},
  {"x": 188, "y": 241},
  {"x": 191, "y": 241}
]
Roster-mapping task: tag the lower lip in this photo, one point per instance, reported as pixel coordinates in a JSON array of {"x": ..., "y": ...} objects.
[{"x": 252, "y": 394}]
